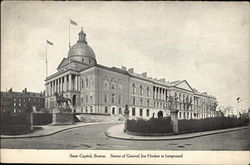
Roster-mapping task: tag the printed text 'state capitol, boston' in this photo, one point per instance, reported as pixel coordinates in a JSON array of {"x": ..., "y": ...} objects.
[{"x": 97, "y": 89}]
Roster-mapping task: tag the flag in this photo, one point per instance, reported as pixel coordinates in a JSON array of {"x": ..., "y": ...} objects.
[
  {"x": 238, "y": 99},
  {"x": 48, "y": 42},
  {"x": 73, "y": 22}
]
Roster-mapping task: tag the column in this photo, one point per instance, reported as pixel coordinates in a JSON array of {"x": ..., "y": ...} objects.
[
  {"x": 58, "y": 81},
  {"x": 61, "y": 84},
  {"x": 154, "y": 92},
  {"x": 46, "y": 89},
  {"x": 70, "y": 82},
  {"x": 162, "y": 94},
  {"x": 165, "y": 91},
  {"x": 64, "y": 83},
  {"x": 56, "y": 86},
  {"x": 50, "y": 86},
  {"x": 159, "y": 93},
  {"x": 76, "y": 82}
]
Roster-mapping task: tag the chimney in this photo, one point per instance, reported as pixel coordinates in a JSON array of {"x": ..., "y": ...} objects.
[
  {"x": 131, "y": 70},
  {"x": 124, "y": 68},
  {"x": 144, "y": 74},
  {"x": 25, "y": 90}
]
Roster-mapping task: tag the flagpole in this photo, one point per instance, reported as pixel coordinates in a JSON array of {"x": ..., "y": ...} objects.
[
  {"x": 69, "y": 32},
  {"x": 46, "y": 61}
]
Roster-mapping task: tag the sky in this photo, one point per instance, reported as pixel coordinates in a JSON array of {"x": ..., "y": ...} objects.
[{"x": 205, "y": 43}]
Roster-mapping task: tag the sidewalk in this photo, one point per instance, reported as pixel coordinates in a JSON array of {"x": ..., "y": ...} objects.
[
  {"x": 48, "y": 130},
  {"x": 117, "y": 132}
]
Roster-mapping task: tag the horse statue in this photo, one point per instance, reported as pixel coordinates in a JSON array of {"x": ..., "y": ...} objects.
[{"x": 60, "y": 99}]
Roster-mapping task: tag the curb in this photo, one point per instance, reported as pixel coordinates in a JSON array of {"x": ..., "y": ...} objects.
[
  {"x": 205, "y": 133},
  {"x": 49, "y": 134}
]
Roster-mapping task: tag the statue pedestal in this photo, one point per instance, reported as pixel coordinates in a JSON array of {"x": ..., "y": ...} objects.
[
  {"x": 174, "y": 120},
  {"x": 62, "y": 116}
]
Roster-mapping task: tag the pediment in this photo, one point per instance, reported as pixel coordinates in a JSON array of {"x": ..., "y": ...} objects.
[
  {"x": 64, "y": 62},
  {"x": 184, "y": 85}
]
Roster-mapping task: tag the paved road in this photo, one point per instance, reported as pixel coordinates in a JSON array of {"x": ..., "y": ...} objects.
[{"x": 93, "y": 137}]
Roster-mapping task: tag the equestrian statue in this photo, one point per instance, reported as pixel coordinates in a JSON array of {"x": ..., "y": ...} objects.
[{"x": 60, "y": 99}]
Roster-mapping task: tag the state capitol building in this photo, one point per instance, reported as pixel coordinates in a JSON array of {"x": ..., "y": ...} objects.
[{"x": 97, "y": 89}]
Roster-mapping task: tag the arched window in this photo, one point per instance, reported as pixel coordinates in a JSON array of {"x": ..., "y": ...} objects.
[
  {"x": 113, "y": 98},
  {"x": 133, "y": 101},
  {"x": 113, "y": 85},
  {"x": 119, "y": 99},
  {"x": 106, "y": 84},
  {"x": 106, "y": 98},
  {"x": 148, "y": 91},
  {"x": 141, "y": 90},
  {"x": 119, "y": 86},
  {"x": 133, "y": 88},
  {"x": 81, "y": 83},
  {"x": 86, "y": 82}
]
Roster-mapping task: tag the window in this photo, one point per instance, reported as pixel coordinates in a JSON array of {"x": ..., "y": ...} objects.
[
  {"x": 133, "y": 88},
  {"x": 148, "y": 102},
  {"x": 14, "y": 111},
  {"x": 86, "y": 98},
  {"x": 14, "y": 104},
  {"x": 119, "y": 87},
  {"x": 86, "y": 82},
  {"x": 119, "y": 99},
  {"x": 91, "y": 109},
  {"x": 147, "y": 112},
  {"x": 82, "y": 60},
  {"x": 89, "y": 61},
  {"x": 20, "y": 104},
  {"x": 133, "y": 101},
  {"x": 113, "y": 98},
  {"x": 86, "y": 109},
  {"x": 106, "y": 109},
  {"x": 106, "y": 84},
  {"x": 81, "y": 83},
  {"x": 120, "y": 110},
  {"x": 180, "y": 114},
  {"x": 106, "y": 98},
  {"x": 133, "y": 111},
  {"x": 141, "y": 90},
  {"x": 141, "y": 101},
  {"x": 90, "y": 97},
  {"x": 113, "y": 110},
  {"x": 148, "y": 91},
  {"x": 113, "y": 85},
  {"x": 141, "y": 112}
]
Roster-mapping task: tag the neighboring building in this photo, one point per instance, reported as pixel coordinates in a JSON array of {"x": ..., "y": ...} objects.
[
  {"x": 17, "y": 102},
  {"x": 94, "y": 88}
]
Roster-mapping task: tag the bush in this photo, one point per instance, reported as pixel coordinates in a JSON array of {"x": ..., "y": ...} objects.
[
  {"x": 211, "y": 124},
  {"x": 153, "y": 125},
  {"x": 12, "y": 124},
  {"x": 42, "y": 118}
]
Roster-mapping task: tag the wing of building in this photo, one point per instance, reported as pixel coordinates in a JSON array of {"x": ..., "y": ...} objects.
[{"x": 97, "y": 89}]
